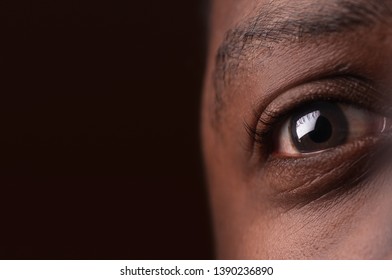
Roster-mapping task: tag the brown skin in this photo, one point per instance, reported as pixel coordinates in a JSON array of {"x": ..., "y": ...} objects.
[{"x": 266, "y": 202}]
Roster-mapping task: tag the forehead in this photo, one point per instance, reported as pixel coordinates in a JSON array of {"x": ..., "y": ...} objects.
[{"x": 233, "y": 10}]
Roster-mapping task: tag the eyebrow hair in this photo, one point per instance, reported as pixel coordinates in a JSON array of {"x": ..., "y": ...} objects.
[{"x": 279, "y": 25}]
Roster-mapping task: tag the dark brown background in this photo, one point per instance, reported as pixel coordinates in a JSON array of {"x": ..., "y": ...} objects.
[{"x": 99, "y": 130}]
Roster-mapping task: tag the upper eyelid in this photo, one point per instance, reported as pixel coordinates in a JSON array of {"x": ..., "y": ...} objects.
[{"x": 345, "y": 89}]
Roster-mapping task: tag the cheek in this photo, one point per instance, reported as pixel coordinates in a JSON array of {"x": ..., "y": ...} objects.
[
  {"x": 372, "y": 230},
  {"x": 359, "y": 226},
  {"x": 304, "y": 234}
]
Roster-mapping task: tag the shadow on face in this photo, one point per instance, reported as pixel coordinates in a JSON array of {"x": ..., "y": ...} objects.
[{"x": 296, "y": 124}]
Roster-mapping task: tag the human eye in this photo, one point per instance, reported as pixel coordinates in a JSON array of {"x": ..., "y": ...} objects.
[
  {"x": 319, "y": 137},
  {"x": 320, "y": 125}
]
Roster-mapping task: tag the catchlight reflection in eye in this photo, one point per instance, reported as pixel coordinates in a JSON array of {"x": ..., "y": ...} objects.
[
  {"x": 324, "y": 125},
  {"x": 307, "y": 124}
]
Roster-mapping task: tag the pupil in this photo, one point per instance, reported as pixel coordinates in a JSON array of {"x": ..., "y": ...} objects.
[
  {"x": 318, "y": 126},
  {"x": 322, "y": 131}
]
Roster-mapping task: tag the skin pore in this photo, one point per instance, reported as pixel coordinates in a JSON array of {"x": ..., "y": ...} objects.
[{"x": 277, "y": 70}]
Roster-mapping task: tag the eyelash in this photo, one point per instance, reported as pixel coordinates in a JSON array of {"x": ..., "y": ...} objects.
[{"x": 353, "y": 86}]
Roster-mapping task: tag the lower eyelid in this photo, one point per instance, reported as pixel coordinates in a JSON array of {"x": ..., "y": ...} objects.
[{"x": 303, "y": 180}]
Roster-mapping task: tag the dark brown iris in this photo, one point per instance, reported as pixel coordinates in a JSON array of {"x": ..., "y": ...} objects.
[{"x": 318, "y": 126}]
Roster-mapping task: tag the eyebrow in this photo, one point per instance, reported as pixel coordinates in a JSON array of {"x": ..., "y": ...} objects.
[{"x": 279, "y": 25}]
